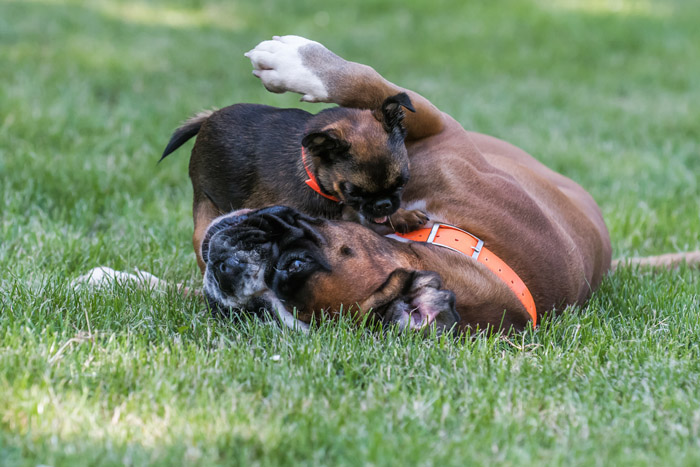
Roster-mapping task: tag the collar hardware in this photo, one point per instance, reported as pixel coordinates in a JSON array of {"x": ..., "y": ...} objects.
[
  {"x": 311, "y": 181},
  {"x": 461, "y": 241}
]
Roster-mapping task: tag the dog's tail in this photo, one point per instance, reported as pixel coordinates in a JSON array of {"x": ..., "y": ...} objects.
[
  {"x": 667, "y": 261},
  {"x": 186, "y": 131}
]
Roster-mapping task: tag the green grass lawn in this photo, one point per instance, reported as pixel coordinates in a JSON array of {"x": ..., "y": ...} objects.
[{"x": 605, "y": 92}]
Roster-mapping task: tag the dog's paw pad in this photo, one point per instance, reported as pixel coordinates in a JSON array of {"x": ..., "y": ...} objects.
[
  {"x": 405, "y": 220},
  {"x": 424, "y": 305}
]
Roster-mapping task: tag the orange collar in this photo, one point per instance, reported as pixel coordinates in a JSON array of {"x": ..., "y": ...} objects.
[
  {"x": 459, "y": 240},
  {"x": 313, "y": 184}
]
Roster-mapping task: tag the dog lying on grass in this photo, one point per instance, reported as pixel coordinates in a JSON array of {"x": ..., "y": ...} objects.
[
  {"x": 536, "y": 240},
  {"x": 509, "y": 239}
]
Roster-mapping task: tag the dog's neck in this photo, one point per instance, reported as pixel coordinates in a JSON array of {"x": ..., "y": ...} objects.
[{"x": 311, "y": 182}]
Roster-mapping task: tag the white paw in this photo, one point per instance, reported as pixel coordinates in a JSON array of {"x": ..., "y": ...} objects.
[
  {"x": 279, "y": 64},
  {"x": 103, "y": 276}
]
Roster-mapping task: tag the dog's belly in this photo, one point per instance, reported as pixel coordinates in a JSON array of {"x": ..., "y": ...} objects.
[{"x": 549, "y": 230}]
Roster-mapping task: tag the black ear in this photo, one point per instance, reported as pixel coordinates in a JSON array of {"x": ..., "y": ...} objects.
[
  {"x": 325, "y": 142},
  {"x": 392, "y": 113}
]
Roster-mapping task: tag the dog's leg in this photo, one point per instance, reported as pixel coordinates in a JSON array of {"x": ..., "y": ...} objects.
[
  {"x": 296, "y": 64},
  {"x": 413, "y": 300},
  {"x": 204, "y": 212},
  {"x": 103, "y": 276}
]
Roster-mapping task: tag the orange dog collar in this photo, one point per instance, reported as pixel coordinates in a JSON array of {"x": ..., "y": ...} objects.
[
  {"x": 313, "y": 184},
  {"x": 459, "y": 240}
]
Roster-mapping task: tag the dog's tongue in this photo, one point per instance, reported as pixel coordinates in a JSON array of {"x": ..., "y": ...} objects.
[{"x": 380, "y": 220}]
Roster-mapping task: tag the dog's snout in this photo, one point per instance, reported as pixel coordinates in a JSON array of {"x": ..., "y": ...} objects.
[
  {"x": 230, "y": 267},
  {"x": 228, "y": 273},
  {"x": 383, "y": 207}
]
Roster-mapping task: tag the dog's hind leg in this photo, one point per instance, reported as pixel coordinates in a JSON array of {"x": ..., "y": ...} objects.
[{"x": 296, "y": 64}]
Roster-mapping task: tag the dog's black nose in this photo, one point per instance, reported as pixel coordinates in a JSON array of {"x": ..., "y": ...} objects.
[
  {"x": 382, "y": 207},
  {"x": 228, "y": 274}
]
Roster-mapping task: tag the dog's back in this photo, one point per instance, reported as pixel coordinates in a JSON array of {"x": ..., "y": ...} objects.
[
  {"x": 244, "y": 154},
  {"x": 242, "y": 151}
]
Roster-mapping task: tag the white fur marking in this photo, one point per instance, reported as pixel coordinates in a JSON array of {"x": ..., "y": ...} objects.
[
  {"x": 397, "y": 238},
  {"x": 279, "y": 65},
  {"x": 103, "y": 276},
  {"x": 285, "y": 316}
]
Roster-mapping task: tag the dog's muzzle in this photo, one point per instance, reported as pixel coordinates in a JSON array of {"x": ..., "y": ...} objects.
[{"x": 252, "y": 256}]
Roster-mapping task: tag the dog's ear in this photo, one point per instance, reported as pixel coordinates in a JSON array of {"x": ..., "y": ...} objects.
[
  {"x": 325, "y": 143},
  {"x": 391, "y": 113},
  {"x": 413, "y": 300}
]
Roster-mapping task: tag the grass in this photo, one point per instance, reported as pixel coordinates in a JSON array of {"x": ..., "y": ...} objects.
[{"x": 604, "y": 92}]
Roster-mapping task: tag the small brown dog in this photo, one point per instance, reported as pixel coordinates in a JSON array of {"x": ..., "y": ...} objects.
[{"x": 252, "y": 156}]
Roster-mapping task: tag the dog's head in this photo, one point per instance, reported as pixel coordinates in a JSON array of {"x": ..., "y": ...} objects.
[
  {"x": 360, "y": 156},
  {"x": 292, "y": 266}
]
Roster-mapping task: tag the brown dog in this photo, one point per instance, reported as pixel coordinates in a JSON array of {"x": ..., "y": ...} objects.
[
  {"x": 250, "y": 156},
  {"x": 539, "y": 234},
  {"x": 539, "y": 239}
]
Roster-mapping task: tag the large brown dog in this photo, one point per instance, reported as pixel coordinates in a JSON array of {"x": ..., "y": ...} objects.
[{"x": 542, "y": 225}]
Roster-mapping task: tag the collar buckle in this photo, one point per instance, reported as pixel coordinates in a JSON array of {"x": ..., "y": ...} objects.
[{"x": 434, "y": 230}]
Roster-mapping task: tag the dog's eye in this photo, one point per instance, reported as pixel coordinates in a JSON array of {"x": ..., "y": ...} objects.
[
  {"x": 295, "y": 266},
  {"x": 297, "y": 263}
]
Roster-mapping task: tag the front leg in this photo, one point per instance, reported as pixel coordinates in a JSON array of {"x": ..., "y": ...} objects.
[
  {"x": 413, "y": 300},
  {"x": 405, "y": 220},
  {"x": 296, "y": 64}
]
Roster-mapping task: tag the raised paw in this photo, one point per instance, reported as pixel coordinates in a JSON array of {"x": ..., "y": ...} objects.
[
  {"x": 414, "y": 300},
  {"x": 294, "y": 64},
  {"x": 404, "y": 220}
]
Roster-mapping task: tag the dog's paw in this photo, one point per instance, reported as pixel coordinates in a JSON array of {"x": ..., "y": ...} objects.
[
  {"x": 413, "y": 300},
  {"x": 294, "y": 64},
  {"x": 103, "y": 276},
  {"x": 404, "y": 220},
  {"x": 423, "y": 305}
]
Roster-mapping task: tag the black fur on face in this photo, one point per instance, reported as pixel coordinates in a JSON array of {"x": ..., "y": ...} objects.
[
  {"x": 272, "y": 250},
  {"x": 377, "y": 204}
]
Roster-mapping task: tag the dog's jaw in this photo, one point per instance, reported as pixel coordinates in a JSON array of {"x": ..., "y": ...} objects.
[
  {"x": 279, "y": 63},
  {"x": 253, "y": 288}
]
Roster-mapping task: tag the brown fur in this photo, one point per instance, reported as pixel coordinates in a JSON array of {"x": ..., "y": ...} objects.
[
  {"x": 546, "y": 227},
  {"x": 249, "y": 156},
  {"x": 543, "y": 225},
  {"x": 357, "y": 279}
]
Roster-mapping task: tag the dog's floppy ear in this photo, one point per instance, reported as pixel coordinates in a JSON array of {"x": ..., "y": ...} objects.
[
  {"x": 413, "y": 300},
  {"x": 391, "y": 112},
  {"x": 326, "y": 142}
]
